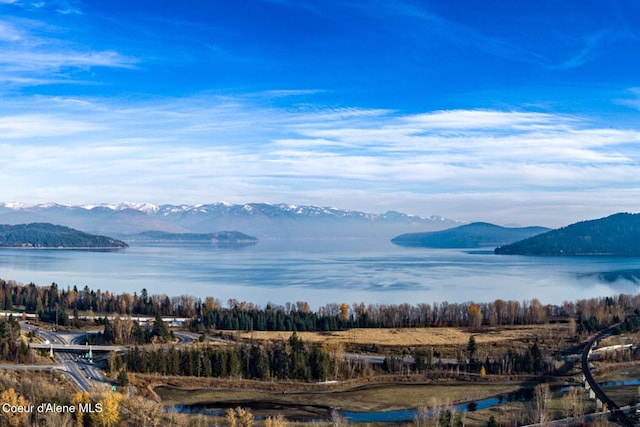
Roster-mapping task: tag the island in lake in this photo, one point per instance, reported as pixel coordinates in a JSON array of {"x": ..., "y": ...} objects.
[
  {"x": 218, "y": 238},
  {"x": 474, "y": 235}
]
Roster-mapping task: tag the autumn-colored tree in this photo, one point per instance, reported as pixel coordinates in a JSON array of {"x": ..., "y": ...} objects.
[
  {"x": 141, "y": 412},
  {"x": 14, "y": 419},
  {"x": 344, "y": 311},
  {"x": 277, "y": 421},
  {"x": 239, "y": 417},
  {"x": 232, "y": 419},
  {"x": 210, "y": 304},
  {"x": 110, "y": 415},
  {"x": 475, "y": 316},
  {"x": 78, "y": 398}
]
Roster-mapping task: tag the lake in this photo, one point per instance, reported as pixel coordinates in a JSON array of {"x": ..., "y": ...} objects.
[{"x": 329, "y": 271}]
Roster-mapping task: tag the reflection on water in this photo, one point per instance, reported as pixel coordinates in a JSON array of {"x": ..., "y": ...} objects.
[
  {"x": 321, "y": 413},
  {"x": 318, "y": 413},
  {"x": 631, "y": 275},
  {"x": 410, "y": 414},
  {"x": 282, "y": 271}
]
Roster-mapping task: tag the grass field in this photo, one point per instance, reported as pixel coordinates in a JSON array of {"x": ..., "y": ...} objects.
[
  {"x": 318, "y": 404},
  {"x": 410, "y": 337},
  {"x": 376, "y": 397},
  {"x": 305, "y": 400}
]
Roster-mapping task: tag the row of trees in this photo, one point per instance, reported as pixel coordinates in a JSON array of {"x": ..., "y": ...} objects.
[
  {"x": 294, "y": 360},
  {"x": 126, "y": 331},
  {"x": 54, "y": 304},
  {"x": 291, "y": 359}
]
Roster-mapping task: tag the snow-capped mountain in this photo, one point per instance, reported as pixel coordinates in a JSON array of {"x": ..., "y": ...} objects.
[{"x": 259, "y": 219}]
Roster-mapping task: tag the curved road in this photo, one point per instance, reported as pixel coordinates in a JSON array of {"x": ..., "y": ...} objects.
[
  {"x": 84, "y": 374},
  {"x": 616, "y": 413}
]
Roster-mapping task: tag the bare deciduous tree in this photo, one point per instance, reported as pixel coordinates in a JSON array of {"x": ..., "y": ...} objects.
[{"x": 542, "y": 396}]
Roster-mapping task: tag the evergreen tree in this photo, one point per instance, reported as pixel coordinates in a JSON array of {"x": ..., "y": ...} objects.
[{"x": 160, "y": 330}]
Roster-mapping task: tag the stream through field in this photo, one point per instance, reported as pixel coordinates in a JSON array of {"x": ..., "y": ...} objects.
[{"x": 310, "y": 413}]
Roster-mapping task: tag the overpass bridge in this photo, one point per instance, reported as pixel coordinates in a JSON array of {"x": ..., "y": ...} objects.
[
  {"x": 594, "y": 388},
  {"x": 78, "y": 347}
]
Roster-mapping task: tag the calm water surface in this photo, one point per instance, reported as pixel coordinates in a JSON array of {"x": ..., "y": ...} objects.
[{"x": 325, "y": 272}]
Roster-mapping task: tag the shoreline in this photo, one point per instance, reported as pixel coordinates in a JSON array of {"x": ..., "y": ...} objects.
[{"x": 98, "y": 248}]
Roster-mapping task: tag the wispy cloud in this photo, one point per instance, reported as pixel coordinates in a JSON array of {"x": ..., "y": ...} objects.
[
  {"x": 53, "y": 61},
  {"x": 30, "y": 55},
  {"x": 8, "y": 33},
  {"x": 567, "y": 51},
  {"x": 585, "y": 53},
  {"x": 631, "y": 98},
  {"x": 62, "y": 7},
  {"x": 199, "y": 149},
  {"x": 30, "y": 125}
]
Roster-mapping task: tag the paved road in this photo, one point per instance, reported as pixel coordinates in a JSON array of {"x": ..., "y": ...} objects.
[
  {"x": 80, "y": 372},
  {"x": 186, "y": 337},
  {"x": 66, "y": 346},
  {"x": 77, "y": 347},
  {"x": 616, "y": 413}
]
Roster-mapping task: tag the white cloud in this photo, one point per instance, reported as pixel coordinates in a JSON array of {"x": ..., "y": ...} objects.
[
  {"x": 632, "y": 100},
  {"x": 34, "y": 61},
  {"x": 29, "y": 126},
  {"x": 9, "y": 32},
  {"x": 482, "y": 119},
  {"x": 31, "y": 54},
  {"x": 214, "y": 148}
]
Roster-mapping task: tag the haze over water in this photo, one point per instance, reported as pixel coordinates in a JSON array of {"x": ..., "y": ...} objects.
[{"x": 331, "y": 271}]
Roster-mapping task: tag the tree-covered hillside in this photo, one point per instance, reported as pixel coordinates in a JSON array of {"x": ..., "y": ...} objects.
[
  {"x": 475, "y": 235},
  {"x": 218, "y": 237},
  {"x": 44, "y": 235},
  {"x": 615, "y": 235}
]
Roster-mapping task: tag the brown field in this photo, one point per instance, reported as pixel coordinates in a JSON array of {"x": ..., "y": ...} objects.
[
  {"x": 315, "y": 401},
  {"x": 411, "y": 337},
  {"x": 373, "y": 397},
  {"x": 624, "y": 371}
]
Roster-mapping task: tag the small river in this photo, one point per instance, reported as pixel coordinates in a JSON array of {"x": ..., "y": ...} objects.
[{"x": 403, "y": 415}]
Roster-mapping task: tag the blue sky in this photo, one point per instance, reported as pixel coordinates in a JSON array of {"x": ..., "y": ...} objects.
[{"x": 510, "y": 112}]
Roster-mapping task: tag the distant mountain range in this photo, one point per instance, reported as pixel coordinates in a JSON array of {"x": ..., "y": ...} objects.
[
  {"x": 257, "y": 219},
  {"x": 615, "y": 235},
  {"x": 474, "y": 235},
  {"x": 44, "y": 235}
]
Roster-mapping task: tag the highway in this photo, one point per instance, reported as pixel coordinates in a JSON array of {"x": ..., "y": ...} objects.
[
  {"x": 68, "y": 347},
  {"x": 616, "y": 413},
  {"x": 77, "y": 347}
]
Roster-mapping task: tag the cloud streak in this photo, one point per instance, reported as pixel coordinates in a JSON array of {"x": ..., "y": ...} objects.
[
  {"x": 28, "y": 58},
  {"x": 202, "y": 149}
]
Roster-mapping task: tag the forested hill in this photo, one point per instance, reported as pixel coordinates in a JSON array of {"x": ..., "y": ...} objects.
[
  {"x": 615, "y": 235},
  {"x": 475, "y": 235},
  {"x": 45, "y": 235},
  {"x": 221, "y": 237}
]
